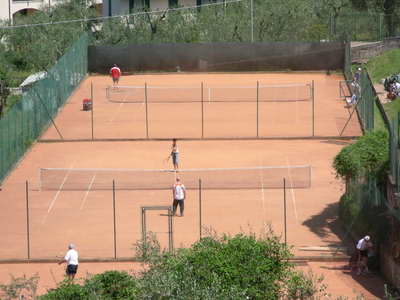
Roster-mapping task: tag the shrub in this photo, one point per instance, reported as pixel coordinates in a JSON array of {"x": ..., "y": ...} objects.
[
  {"x": 239, "y": 267},
  {"x": 67, "y": 291},
  {"x": 117, "y": 285},
  {"x": 369, "y": 155}
]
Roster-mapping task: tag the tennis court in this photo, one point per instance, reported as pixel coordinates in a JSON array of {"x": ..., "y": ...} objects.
[
  {"x": 194, "y": 106},
  {"x": 72, "y": 198},
  {"x": 84, "y": 215}
]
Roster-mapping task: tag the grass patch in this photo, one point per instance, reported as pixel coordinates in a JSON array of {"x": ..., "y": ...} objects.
[
  {"x": 384, "y": 65},
  {"x": 16, "y": 77},
  {"x": 392, "y": 108},
  {"x": 379, "y": 123},
  {"x": 379, "y": 67},
  {"x": 11, "y": 100}
]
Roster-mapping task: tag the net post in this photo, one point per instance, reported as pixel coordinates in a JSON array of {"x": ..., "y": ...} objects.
[
  {"x": 258, "y": 96},
  {"x": 202, "y": 110},
  {"x": 200, "y": 212},
  {"x": 91, "y": 111},
  {"x": 144, "y": 227},
  {"x": 284, "y": 210},
  {"x": 170, "y": 231},
  {"x": 27, "y": 220},
  {"x": 313, "y": 108},
  {"x": 147, "y": 115},
  {"x": 114, "y": 221},
  {"x": 40, "y": 179}
]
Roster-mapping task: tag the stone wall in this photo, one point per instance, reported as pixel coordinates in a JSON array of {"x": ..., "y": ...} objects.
[{"x": 361, "y": 52}]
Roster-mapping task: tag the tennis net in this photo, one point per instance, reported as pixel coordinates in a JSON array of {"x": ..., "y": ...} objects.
[
  {"x": 141, "y": 179},
  {"x": 171, "y": 94}
]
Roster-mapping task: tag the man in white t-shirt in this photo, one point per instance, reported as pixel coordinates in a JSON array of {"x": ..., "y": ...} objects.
[
  {"x": 179, "y": 195},
  {"x": 363, "y": 246},
  {"x": 71, "y": 258}
]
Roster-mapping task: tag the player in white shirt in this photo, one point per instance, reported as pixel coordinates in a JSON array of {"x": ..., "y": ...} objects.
[
  {"x": 179, "y": 195},
  {"x": 363, "y": 246},
  {"x": 71, "y": 258}
]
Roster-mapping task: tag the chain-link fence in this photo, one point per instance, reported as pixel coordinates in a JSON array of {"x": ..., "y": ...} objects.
[
  {"x": 365, "y": 191},
  {"x": 26, "y": 120},
  {"x": 363, "y": 26}
]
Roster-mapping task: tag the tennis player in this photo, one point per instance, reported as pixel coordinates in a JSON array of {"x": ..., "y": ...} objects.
[
  {"x": 115, "y": 73},
  {"x": 175, "y": 154},
  {"x": 179, "y": 195},
  {"x": 71, "y": 258},
  {"x": 363, "y": 246}
]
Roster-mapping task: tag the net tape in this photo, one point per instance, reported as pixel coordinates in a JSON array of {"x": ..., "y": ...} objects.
[
  {"x": 291, "y": 92},
  {"x": 140, "y": 179}
]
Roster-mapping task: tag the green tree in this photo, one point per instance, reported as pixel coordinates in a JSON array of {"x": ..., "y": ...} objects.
[
  {"x": 37, "y": 47},
  {"x": 390, "y": 8}
]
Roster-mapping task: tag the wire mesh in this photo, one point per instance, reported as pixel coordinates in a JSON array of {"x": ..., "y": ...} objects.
[
  {"x": 27, "y": 119},
  {"x": 366, "y": 105}
]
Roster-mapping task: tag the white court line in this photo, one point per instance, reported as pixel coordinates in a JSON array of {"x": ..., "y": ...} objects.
[
  {"x": 87, "y": 192},
  {"x": 58, "y": 193},
  {"x": 292, "y": 191}
]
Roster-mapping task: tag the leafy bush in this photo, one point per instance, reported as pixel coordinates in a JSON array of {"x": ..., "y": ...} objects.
[
  {"x": 67, "y": 291},
  {"x": 116, "y": 285},
  {"x": 369, "y": 155},
  {"x": 20, "y": 288},
  {"x": 239, "y": 267}
]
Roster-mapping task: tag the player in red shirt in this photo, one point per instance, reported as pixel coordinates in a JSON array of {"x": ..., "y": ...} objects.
[{"x": 115, "y": 73}]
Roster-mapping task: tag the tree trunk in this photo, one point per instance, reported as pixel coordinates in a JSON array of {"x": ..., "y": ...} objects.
[{"x": 388, "y": 9}]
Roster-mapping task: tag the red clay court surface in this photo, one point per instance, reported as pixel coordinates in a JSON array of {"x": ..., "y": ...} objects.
[
  {"x": 221, "y": 119},
  {"x": 85, "y": 217}
]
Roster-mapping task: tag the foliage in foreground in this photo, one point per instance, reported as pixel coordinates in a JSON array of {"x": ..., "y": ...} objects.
[
  {"x": 368, "y": 155},
  {"x": 20, "y": 288},
  {"x": 238, "y": 267}
]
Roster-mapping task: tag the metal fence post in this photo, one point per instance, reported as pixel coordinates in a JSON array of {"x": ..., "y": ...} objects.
[
  {"x": 147, "y": 114},
  {"x": 200, "y": 211},
  {"x": 27, "y": 219},
  {"x": 257, "y": 103},
  {"x": 284, "y": 210},
  {"x": 114, "y": 220},
  {"x": 91, "y": 111},
  {"x": 202, "y": 110},
  {"x": 313, "y": 107}
]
